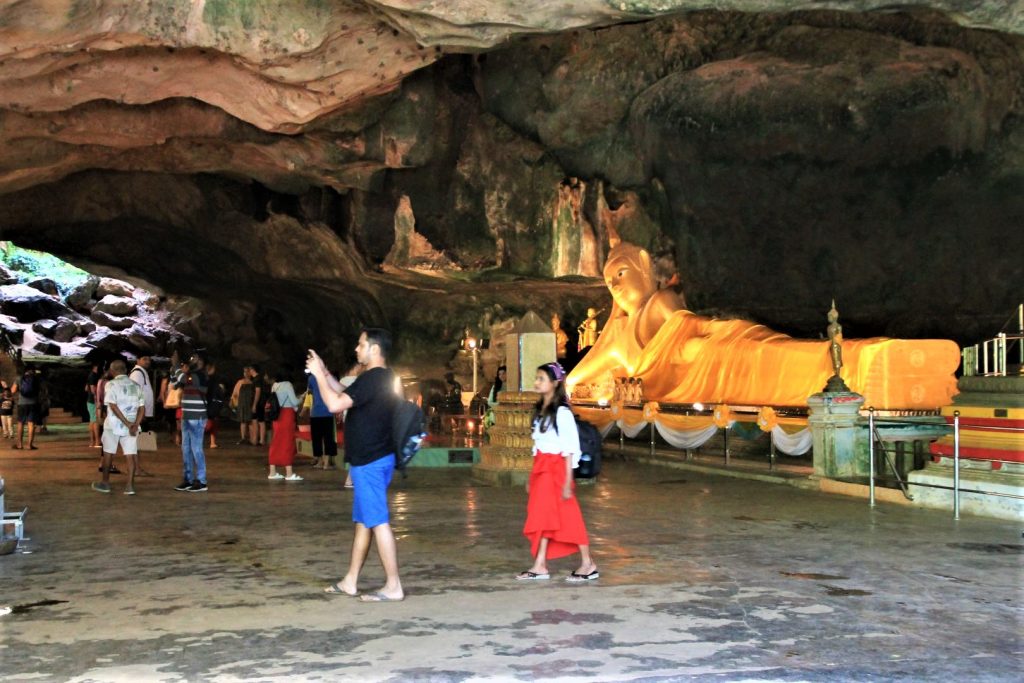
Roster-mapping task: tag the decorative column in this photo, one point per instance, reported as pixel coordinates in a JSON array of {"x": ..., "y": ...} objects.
[
  {"x": 833, "y": 420},
  {"x": 507, "y": 459}
]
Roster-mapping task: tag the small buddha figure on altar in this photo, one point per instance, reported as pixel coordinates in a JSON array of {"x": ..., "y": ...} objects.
[
  {"x": 835, "y": 339},
  {"x": 561, "y": 338},
  {"x": 835, "y": 350},
  {"x": 588, "y": 330},
  {"x": 683, "y": 357}
]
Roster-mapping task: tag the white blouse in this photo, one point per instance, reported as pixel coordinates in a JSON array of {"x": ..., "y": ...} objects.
[{"x": 565, "y": 441}]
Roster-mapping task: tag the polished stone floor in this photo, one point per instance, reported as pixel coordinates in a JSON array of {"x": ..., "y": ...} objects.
[{"x": 702, "y": 578}]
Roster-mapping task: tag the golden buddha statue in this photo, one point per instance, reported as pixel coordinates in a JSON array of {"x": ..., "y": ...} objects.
[{"x": 682, "y": 357}]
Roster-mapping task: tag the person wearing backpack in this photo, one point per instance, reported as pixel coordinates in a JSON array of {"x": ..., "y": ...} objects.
[
  {"x": 283, "y": 400},
  {"x": 28, "y": 395},
  {"x": 554, "y": 523},
  {"x": 369, "y": 445},
  {"x": 140, "y": 375}
]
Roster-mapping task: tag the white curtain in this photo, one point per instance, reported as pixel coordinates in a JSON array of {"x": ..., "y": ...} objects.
[
  {"x": 792, "y": 444},
  {"x": 686, "y": 438},
  {"x": 631, "y": 432}
]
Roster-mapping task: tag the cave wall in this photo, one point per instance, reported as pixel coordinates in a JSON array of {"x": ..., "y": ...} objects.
[{"x": 769, "y": 161}]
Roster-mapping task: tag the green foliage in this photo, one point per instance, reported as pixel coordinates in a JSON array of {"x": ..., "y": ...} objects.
[{"x": 29, "y": 264}]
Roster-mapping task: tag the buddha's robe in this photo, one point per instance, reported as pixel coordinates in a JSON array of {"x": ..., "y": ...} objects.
[{"x": 696, "y": 359}]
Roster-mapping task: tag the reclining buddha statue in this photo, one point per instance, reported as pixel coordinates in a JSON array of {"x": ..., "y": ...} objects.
[{"x": 682, "y": 357}]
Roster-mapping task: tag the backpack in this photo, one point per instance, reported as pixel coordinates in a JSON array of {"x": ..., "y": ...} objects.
[
  {"x": 27, "y": 386},
  {"x": 272, "y": 408},
  {"x": 215, "y": 400},
  {"x": 590, "y": 450},
  {"x": 408, "y": 429}
]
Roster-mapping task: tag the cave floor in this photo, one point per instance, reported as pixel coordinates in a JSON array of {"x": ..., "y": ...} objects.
[{"x": 702, "y": 577}]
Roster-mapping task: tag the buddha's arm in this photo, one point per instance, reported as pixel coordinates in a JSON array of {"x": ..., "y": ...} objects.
[{"x": 657, "y": 311}]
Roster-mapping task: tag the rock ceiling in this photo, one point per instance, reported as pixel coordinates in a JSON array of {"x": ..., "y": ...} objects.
[{"x": 135, "y": 134}]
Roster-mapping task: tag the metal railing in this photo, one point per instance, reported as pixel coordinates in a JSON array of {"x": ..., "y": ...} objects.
[
  {"x": 989, "y": 358},
  {"x": 955, "y": 488}
]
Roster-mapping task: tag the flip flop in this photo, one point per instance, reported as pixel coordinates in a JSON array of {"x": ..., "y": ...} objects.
[
  {"x": 379, "y": 597},
  {"x": 532, "y": 576},
  {"x": 336, "y": 589},
  {"x": 582, "y": 578}
]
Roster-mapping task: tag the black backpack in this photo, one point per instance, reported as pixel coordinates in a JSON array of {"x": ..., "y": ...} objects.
[
  {"x": 590, "y": 450},
  {"x": 27, "y": 386},
  {"x": 272, "y": 408},
  {"x": 408, "y": 429},
  {"x": 215, "y": 400}
]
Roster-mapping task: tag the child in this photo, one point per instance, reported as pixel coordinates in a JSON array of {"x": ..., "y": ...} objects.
[{"x": 554, "y": 523}]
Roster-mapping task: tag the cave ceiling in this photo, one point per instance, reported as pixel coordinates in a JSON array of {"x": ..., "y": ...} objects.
[{"x": 770, "y": 154}]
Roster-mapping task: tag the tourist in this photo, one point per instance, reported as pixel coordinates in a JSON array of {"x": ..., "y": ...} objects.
[
  {"x": 282, "y": 443},
  {"x": 492, "y": 395},
  {"x": 323, "y": 428},
  {"x": 215, "y": 392},
  {"x": 101, "y": 412},
  {"x": 497, "y": 387},
  {"x": 126, "y": 407},
  {"x": 370, "y": 402},
  {"x": 554, "y": 523},
  {"x": 7, "y": 409},
  {"x": 243, "y": 400},
  {"x": 170, "y": 399},
  {"x": 42, "y": 403},
  {"x": 258, "y": 426},
  {"x": 191, "y": 379},
  {"x": 28, "y": 395},
  {"x": 453, "y": 395},
  {"x": 140, "y": 375},
  {"x": 90, "y": 405}
]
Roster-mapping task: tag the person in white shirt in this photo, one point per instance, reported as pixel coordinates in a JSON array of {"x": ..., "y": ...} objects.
[
  {"x": 554, "y": 523},
  {"x": 125, "y": 405},
  {"x": 140, "y": 375}
]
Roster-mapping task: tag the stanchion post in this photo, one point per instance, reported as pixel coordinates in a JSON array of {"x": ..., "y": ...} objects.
[
  {"x": 771, "y": 453},
  {"x": 652, "y": 438},
  {"x": 956, "y": 464},
  {"x": 725, "y": 437},
  {"x": 622, "y": 440},
  {"x": 871, "y": 457}
]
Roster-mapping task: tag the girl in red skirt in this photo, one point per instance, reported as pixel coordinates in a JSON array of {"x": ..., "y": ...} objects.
[
  {"x": 554, "y": 523},
  {"x": 282, "y": 443}
]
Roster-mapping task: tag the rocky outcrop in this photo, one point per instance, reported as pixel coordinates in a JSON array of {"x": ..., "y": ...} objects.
[{"x": 28, "y": 305}]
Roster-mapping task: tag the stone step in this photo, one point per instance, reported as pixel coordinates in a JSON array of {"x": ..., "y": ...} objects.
[{"x": 59, "y": 416}]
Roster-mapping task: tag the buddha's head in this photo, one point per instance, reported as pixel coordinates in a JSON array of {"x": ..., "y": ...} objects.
[{"x": 629, "y": 276}]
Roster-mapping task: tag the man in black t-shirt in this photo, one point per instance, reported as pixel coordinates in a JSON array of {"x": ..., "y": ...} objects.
[{"x": 370, "y": 402}]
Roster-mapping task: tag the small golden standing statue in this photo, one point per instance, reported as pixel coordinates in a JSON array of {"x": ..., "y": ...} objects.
[
  {"x": 588, "y": 330},
  {"x": 561, "y": 338},
  {"x": 835, "y": 349}
]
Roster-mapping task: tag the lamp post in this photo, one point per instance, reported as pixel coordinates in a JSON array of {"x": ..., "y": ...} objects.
[{"x": 473, "y": 345}]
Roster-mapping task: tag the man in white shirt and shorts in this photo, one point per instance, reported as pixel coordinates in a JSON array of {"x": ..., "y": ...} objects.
[{"x": 125, "y": 403}]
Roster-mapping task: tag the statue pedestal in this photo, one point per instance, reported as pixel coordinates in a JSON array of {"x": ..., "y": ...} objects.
[
  {"x": 508, "y": 457},
  {"x": 834, "y": 427}
]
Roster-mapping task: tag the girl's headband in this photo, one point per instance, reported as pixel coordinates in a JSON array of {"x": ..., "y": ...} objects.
[{"x": 557, "y": 370}]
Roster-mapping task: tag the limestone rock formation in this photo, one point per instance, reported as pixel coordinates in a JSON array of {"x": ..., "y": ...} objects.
[{"x": 262, "y": 160}]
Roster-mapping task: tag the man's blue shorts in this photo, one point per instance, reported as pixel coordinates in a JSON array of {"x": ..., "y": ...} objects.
[{"x": 370, "y": 486}]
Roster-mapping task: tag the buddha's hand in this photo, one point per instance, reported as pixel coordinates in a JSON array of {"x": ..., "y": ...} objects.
[{"x": 567, "y": 491}]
